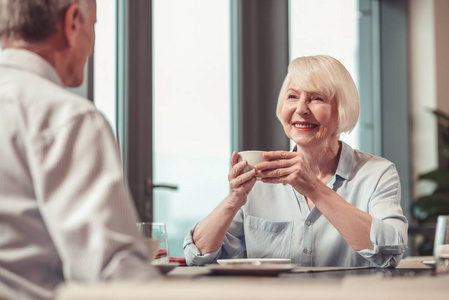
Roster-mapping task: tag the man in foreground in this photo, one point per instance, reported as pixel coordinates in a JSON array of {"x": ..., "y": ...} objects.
[{"x": 65, "y": 211}]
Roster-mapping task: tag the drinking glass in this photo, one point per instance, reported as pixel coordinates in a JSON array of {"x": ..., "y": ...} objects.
[
  {"x": 441, "y": 246},
  {"x": 156, "y": 231}
]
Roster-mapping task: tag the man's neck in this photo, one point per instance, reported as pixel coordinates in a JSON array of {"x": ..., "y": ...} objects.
[
  {"x": 50, "y": 50},
  {"x": 42, "y": 49}
]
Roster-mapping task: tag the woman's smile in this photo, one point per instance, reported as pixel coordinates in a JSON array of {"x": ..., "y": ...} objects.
[{"x": 304, "y": 126}]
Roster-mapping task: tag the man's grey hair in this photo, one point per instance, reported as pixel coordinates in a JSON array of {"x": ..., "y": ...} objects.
[{"x": 34, "y": 20}]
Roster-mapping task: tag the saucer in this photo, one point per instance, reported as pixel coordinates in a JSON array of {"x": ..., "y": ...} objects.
[{"x": 254, "y": 261}]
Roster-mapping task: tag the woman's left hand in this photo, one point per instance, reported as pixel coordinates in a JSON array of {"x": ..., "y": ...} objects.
[{"x": 288, "y": 167}]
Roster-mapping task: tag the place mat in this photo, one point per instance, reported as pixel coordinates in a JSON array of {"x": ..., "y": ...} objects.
[{"x": 325, "y": 269}]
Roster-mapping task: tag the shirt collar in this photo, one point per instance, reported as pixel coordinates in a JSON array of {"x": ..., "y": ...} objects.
[
  {"x": 345, "y": 163},
  {"x": 29, "y": 61}
]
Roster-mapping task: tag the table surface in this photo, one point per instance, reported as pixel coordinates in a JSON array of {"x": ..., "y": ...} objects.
[{"x": 410, "y": 280}]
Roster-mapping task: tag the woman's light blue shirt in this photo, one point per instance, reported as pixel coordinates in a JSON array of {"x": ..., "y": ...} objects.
[{"x": 276, "y": 221}]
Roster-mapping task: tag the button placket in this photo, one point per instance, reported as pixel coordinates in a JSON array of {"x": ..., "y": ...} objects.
[{"x": 306, "y": 257}]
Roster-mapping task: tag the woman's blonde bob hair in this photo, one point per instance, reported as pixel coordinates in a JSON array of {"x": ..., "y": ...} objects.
[{"x": 327, "y": 77}]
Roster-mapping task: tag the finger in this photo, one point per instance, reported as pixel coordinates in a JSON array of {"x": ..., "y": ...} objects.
[
  {"x": 234, "y": 158},
  {"x": 248, "y": 175},
  {"x": 275, "y": 179},
  {"x": 294, "y": 170},
  {"x": 237, "y": 169},
  {"x": 248, "y": 186},
  {"x": 242, "y": 179},
  {"x": 240, "y": 184},
  {"x": 278, "y": 155},
  {"x": 274, "y": 164},
  {"x": 273, "y": 173}
]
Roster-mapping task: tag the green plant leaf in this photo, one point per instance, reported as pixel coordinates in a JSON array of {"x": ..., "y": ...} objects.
[
  {"x": 439, "y": 176},
  {"x": 427, "y": 208}
]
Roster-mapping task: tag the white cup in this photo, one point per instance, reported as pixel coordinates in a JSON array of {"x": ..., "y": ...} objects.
[{"x": 253, "y": 157}]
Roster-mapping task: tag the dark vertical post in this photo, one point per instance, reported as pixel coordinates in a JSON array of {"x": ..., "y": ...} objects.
[
  {"x": 260, "y": 59},
  {"x": 135, "y": 99},
  {"x": 396, "y": 141}
]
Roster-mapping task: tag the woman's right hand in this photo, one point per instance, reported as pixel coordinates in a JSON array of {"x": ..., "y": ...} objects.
[
  {"x": 209, "y": 234},
  {"x": 240, "y": 183}
]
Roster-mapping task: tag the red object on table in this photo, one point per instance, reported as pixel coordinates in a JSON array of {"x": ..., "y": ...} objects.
[
  {"x": 163, "y": 253},
  {"x": 181, "y": 260}
]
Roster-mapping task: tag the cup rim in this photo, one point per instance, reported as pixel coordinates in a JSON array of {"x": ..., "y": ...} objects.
[
  {"x": 248, "y": 151},
  {"x": 152, "y": 223}
]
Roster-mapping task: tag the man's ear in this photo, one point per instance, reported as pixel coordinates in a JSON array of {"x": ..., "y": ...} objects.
[{"x": 71, "y": 24}]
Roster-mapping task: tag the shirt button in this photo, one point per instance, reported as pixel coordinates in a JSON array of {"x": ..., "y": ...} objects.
[
  {"x": 308, "y": 222},
  {"x": 305, "y": 251}
]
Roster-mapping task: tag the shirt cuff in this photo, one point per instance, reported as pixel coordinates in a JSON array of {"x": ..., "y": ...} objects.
[
  {"x": 193, "y": 255},
  {"x": 382, "y": 256},
  {"x": 388, "y": 245}
]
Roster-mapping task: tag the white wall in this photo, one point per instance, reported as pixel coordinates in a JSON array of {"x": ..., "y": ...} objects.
[{"x": 442, "y": 53}]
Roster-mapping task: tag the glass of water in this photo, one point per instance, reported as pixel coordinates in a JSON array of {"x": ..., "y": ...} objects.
[
  {"x": 157, "y": 231},
  {"x": 441, "y": 246}
]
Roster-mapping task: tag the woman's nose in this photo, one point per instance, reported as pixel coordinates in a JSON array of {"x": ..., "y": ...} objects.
[{"x": 302, "y": 108}]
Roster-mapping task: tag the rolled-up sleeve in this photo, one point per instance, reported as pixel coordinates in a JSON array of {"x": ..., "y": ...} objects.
[
  {"x": 233, "y": 244},
  {"x": 193, "y": 255},
  {"x": 389, "y": 226}
]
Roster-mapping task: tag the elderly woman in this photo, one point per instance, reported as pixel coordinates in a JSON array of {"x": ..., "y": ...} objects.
[{"x": 324, "y": 203}]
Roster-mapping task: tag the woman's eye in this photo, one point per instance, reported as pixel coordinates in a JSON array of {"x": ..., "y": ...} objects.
[
  {"x": 318, "y": 98},
  {"x": 292, "y": 97}
]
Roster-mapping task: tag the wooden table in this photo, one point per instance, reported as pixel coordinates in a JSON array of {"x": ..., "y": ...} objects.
[{"x": 410, "y": 281}]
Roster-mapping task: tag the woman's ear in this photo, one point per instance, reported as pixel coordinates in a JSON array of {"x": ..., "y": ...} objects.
[{"x": 71, "y": 24}]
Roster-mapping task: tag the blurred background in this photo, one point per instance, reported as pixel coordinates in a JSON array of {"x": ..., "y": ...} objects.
[{"x": 186, "y": 82}]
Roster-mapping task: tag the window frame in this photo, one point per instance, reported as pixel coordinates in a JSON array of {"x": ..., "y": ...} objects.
[{"x": 383, "y": 85}]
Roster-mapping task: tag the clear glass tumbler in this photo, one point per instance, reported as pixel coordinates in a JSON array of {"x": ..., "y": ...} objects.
[
  {"x": 441, "y": 246},
  {"x": 157, "y": 231}
]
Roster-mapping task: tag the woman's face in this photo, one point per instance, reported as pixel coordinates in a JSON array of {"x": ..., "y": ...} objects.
[{"x": 309, "y": 119}]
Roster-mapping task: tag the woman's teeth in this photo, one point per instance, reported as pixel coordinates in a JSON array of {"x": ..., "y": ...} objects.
[{"x": 305, "y": 125}]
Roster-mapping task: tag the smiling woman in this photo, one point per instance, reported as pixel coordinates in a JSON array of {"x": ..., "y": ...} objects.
[{"x": 330, "y": 196}]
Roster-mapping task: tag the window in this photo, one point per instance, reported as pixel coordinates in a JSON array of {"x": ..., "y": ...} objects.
[
  {"x": 105, "y": 57},
  {"x": 327, "y": 27},
  {"x": 191, "y": 111}
]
